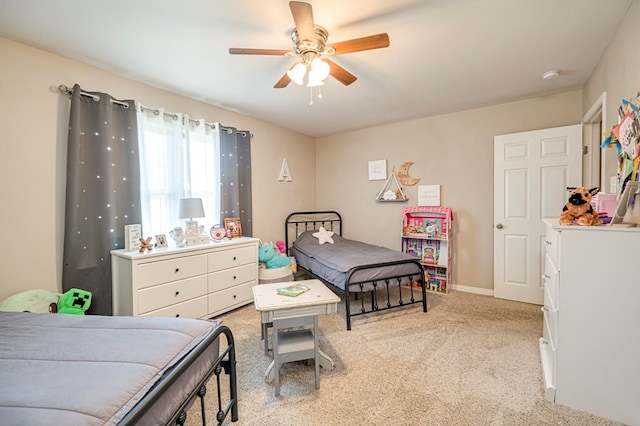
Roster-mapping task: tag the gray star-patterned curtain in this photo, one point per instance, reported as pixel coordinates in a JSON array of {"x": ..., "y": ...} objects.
[
  {"x": 103, "y": 191},
  {"x": 235, "y": 177}
]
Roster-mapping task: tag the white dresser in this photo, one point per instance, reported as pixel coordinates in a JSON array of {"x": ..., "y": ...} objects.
[
  {"x": 193, "y": 282},
  {"x": 590, "y": 347}
]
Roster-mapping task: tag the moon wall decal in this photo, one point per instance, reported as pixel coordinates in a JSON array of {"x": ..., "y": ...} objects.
[{"x": 403, "y": 174}]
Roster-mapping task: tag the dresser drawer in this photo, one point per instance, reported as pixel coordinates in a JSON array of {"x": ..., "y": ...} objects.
[
  {"x": 166, "y": 271},
  {"x": 552, "y": 245},
  {"x": 194, "y": 308},
  {"x": 231, "y": 277},
  {"x": 551, "y": 278},
  {"x": 550, "y": 331},
  {"x": 548, "y": 357},
  {"x": 230, "y": 298},
  {"x": 224, "y": 259},
  {"x": 158, "y": 296}
]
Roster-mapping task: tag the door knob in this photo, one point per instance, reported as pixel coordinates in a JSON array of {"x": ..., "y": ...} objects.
[{"x": 499, "y": 226}]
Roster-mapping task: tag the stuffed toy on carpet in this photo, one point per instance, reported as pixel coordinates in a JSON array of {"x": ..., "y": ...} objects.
[
  {"x": 38, "y": 301},
  {"x": 578, "y": 209}
]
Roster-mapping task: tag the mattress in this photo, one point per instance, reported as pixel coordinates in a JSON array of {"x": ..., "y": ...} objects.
[
  {"x": 92, "y": 370},
  {"x": 332, "y": 262}
]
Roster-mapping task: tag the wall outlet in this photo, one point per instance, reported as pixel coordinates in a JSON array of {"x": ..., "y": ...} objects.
[{"x": 613, "y": 185}]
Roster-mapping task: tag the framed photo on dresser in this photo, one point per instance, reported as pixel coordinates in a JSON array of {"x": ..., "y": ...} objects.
[{"x": 233, "y": 227}]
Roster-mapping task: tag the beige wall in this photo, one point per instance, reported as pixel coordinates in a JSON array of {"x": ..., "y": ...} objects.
[
  {"x": 454, "y": 151},
  {"x": 617, "y": 74},
  {"x": 33, "y": 151}
]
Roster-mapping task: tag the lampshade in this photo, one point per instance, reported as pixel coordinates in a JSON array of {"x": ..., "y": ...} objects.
[
  {"x": 188, "y": 208},
  {"x": 318, "y": 71},
  {"x": 296, "y": 74}
]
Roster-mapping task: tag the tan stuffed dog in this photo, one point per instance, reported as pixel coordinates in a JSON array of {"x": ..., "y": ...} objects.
[{"x": 579, "y": 209}]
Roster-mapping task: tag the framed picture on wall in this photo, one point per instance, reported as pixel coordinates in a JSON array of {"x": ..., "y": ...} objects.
[
  {"x": 233, "y": 227},
  {"x": 378, "y": 170}
]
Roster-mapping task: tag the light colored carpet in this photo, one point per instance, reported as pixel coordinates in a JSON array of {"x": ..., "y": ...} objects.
[{"x": 470, "y": 360}]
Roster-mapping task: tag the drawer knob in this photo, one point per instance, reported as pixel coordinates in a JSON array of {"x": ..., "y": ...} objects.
[
  {"x": 177, "y": 270},
  {"x": 234, "y": 258},
  {"x": 234, "y": 296},
  {"x": 234, "y": 277},
  {"x": 177, "y": 293},
  {"x": 177, "y": 315}
]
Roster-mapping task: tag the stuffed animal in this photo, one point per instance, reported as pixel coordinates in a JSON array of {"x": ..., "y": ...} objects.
[
  {"x": 267, "y": 254},
  {"x": 38, "y": 301},
  {"x": 281, "y": 246},
  {"x": 74, "y": 301},
  {"x": 579, "y": 208}
]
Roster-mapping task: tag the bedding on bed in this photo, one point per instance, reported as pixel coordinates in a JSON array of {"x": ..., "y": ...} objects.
[
  {"x": 92, "y": 370},
  {"x": 332, "y": 262}
]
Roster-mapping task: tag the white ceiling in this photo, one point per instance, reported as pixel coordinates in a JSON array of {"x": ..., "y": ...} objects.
[{"x": 445, "y": 55}]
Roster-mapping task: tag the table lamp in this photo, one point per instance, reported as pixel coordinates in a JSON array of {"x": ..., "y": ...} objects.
[{"x": 188, "y": 208}]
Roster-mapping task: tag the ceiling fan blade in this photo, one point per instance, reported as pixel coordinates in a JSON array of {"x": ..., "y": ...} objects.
[
  {"x": 283, "y": 82},
  {"x": 364, "y": 43},
  {"x": 243, "y": 51},
  {"x": 339, "y": 73},
  {"x": 303, "y": 18}
]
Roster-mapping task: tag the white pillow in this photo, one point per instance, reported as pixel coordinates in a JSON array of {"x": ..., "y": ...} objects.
[{"x": 324, "y": 236}]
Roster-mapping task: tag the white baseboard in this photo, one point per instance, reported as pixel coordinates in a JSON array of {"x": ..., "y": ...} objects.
[{"x": 469, "y": 289}]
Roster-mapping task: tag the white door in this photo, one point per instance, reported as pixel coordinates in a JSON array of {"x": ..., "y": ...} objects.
[{"x": 531, "y": 173}]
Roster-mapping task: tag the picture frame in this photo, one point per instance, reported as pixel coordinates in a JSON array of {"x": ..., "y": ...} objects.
[
  {"x": 378, "y": 170},
  {"x": 161, "y": 240},
  {"x": 233, "y": 227}
]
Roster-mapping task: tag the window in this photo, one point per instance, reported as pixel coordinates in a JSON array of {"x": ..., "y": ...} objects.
[{"x": 179, "y": 158}]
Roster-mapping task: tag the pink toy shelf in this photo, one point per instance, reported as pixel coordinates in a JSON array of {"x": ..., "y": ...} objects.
[{"x": 426, "y": 234}]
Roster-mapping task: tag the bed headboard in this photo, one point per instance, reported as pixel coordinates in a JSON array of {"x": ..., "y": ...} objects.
[{"x": 298, "y": 222}]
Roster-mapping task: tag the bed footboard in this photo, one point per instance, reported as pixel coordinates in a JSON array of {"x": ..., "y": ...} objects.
[
  {"x": 396, "y": 291},
  {"x": 226, "y": 362}
]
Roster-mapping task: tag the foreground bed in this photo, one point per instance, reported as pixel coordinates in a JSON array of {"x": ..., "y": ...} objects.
[
  {"x": 58, "y": 369},
  {"x": 372, "y": 278}
]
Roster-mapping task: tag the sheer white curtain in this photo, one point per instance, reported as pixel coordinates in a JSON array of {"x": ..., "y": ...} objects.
[
  {"x": 179, "y": 158},
  {"x": 202, "y": 170}
]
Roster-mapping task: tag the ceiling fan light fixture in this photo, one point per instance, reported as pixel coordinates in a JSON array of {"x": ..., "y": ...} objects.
[
  {"x": 318, "y": 71},
  {"x": 320, "y": 68},
  {"x": 296, "y": 74}
]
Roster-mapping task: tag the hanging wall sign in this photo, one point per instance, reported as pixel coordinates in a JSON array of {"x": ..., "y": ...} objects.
[{"x": 285, "y": 175}]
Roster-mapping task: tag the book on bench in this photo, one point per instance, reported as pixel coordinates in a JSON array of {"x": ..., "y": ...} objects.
[{"x": 292, "y": 290}]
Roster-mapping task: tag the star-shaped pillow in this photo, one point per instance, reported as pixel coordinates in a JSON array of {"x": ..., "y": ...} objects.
[{"x": 324, "y": 236}]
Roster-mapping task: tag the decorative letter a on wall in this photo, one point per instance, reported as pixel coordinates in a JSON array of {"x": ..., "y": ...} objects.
[{"x": 285, "y": 175}]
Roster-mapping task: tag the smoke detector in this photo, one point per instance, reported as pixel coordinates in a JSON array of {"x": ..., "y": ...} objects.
[{"x": 550, "y": 75}]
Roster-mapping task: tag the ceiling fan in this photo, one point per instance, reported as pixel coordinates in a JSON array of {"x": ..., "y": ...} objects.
[{"x": 310, "y": 45}]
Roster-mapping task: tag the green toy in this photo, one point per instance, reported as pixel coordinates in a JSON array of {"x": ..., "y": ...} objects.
[
  {"x": 38, "y": 301},
  {"x": 74, "y": 301}
]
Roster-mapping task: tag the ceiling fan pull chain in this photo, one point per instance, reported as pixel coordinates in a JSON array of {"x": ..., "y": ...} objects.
[
  {"x": 319, "y": 92},
  {"x": 310, "y": 96}
]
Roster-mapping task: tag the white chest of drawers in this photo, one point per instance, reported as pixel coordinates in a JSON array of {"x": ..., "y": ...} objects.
[
  {"x": 192, "y": 282},
  {"x": 590, "y": 347}
]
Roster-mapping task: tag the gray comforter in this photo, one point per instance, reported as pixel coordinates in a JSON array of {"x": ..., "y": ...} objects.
[
  {"x": 58, "y": 369},
  {"x": 333, "y": 262}
]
